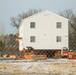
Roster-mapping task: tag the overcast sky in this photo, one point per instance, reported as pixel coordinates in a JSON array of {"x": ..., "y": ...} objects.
[{"x": 11, "y": 8}]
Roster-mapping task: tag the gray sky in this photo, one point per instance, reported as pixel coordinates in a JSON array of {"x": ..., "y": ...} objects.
[{"x": 11, "y": 8}]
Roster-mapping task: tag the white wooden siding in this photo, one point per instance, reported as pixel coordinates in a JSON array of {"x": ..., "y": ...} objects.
[{"x": 45, "y": 31}]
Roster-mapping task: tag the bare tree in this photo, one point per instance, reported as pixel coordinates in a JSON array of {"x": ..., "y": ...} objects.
[
  {"x": 72, "y": 26},
  {"x": 2, "y": 32},
  {"x": 69, "y": 14},
  {"x": 15, "y": 21}
]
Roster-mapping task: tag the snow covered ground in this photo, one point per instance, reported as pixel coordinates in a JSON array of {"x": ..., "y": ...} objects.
[
  {"x": 48, "y": 60},
  {"x": 40, "y": 67}
]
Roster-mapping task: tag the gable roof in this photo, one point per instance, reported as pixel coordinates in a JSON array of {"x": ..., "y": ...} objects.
[
  {"x": 40, "y": 13},
  {"x": 43, "y": 12}
]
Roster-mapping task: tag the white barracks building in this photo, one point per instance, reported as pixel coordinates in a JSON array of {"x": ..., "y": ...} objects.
[{"x": 44, "y": 30}]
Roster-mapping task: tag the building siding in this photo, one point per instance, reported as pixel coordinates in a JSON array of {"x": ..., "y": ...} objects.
[{"x": 45, "y": 31}]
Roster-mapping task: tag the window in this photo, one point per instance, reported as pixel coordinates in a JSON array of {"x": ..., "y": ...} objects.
[
  {"x": 32, "y": 38},
  {"x": 58, "y": 25},
  {"x": 58, "y": 38},
  {"x": 32, "y": 24}
]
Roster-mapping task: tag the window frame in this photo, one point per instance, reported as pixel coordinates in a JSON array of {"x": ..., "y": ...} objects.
[
  {"x": 32, "y": 24},
  {"x": 58, "y": 25},
  {"x": 58, "y": 39},
  {"x": 32, "y": 39}
]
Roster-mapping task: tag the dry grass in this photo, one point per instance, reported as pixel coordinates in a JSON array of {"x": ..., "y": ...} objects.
[{"x": 41, "y": 68}]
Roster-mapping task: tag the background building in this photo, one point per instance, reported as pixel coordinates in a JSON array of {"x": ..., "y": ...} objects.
[{"x": 44, "y": 30}]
